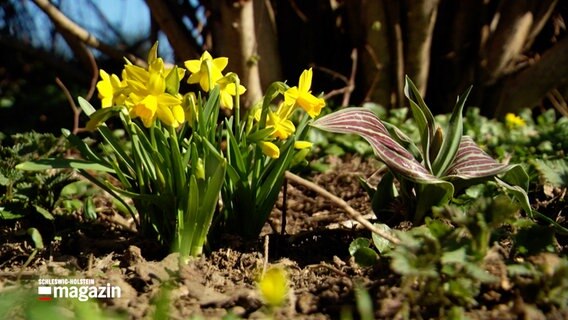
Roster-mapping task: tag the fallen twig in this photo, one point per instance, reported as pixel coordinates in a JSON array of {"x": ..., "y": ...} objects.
[{"x": 343, "y": 205}]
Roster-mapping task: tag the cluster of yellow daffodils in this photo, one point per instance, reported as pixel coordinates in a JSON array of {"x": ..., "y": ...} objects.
[
  {"x": 152, "y": 92},
  {"x": 279, "y": 121}
]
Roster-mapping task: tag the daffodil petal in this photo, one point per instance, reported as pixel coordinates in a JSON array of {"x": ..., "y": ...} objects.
[
  {"x": 221, "y": 63},
  {"x": 269, "y": 149},
  {"x": 305, "y": 82},
  {"x": 193, "y": 65},
  {"x": 179, "y": 113}
]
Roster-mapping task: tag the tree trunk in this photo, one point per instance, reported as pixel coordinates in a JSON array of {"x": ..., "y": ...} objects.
[
  {"x": 235, "y": 36},
  {"x": 174, "y": 29},
  {"x": 421, "y": 17},
  {"x": 267, "y": 43},
  {"x": 528, "y": 87},
  {"x": 513, "y": 29}
]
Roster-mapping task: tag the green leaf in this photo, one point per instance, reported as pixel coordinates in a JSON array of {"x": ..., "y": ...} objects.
[
  {"x": 423, "y": 117},
  {"x": 364, "y": 123},
  {"x": 89, "y": 210},
  {"x": 364, "y": 303},
  {"x": 452, "y": 138},
  {"x": 45, "y": 164},
  {"x": 471, "y": 162},
  {"x": 357, "y": 244},
  {"x": 555, "y": 172},
  {"x": 381, "y": 243},
  {"x": 7, "y": 215},
  {"x": 364, "y": 256},
  {"x": 85, "y": 150},
  {"x": 384, "y": 195},
  {"x": 102, "y": 115},
  {"x": 44, "y": 212},
  {"x": 430, "y": 195},
  {"x": 260, "y": 135},
  {"x": 172, "y": 81},
  {"x": 87, "y": 108},
  {"x": 521, "y": 196},
  {"x": 456, "y": 256},
  {"x": 36, "y": 237}
]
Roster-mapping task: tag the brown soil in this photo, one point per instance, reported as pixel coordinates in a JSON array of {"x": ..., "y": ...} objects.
[{"x": 314, "y": 251}]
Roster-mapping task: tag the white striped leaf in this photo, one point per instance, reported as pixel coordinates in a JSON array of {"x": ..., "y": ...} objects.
[
  {"x": 472, "y": 162},
  {"x": 366, "y": 124}
]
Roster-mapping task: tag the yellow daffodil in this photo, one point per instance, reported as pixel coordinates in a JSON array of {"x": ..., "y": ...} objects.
[
  {"x": 302, "y": 96},
  {"x": 228, "y": 91},
  {"x": 283, "y": 127},
  {"x": 110, "y": 89},
  {"x": 273, "y": 286},
  {"x": 148, "y": 99},
  {"x": 269, "y": 149},
  {"x": 206, "y": 71},
  {"x": 513, "y": 121},
  {"x": 302, "y": 144}
]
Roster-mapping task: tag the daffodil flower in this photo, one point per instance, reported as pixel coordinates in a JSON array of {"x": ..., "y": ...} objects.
[
  {"x": 269, "y": 149},
  {"x": 283, "y": 127},
  {"x": 149, "y": 100},
  {"x": 206, "y": 71},
  {"x": 227, "y": 90},
  {"x": 110, "y": 89},
  {"x": 301, "y": 95}
]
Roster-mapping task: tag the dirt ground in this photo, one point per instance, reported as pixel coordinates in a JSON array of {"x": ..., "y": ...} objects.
[{"x": 314, "y": 251}]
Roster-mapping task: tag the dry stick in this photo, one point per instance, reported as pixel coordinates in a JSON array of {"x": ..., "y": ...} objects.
[
  {"x": 349, "y": 82},
  {"x": 76, "y": 110},
  {"x": 343, "y": 205}
]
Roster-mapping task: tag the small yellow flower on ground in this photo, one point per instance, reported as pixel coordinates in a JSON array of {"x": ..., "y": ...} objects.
[
  {"x": 273, "y": 286},
  {"x": 269, "y": 149},
  {"x": 302, "y": 96},
  {"x": 228, "y": 91},
  {"x": 206, "y": 71},
  {"x": 513, "y": 121}
]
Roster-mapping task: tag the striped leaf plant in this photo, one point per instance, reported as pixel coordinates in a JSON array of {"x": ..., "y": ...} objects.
[{"x": 431, "y": 173}]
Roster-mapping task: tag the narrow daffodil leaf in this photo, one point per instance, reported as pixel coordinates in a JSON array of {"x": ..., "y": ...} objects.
[
  {"x": 452, "y": 138},
  {"x": 45, "y": 164},
  {"x": 472, "y": 162},
  {"x": 102, "y": 115},
  {"x": 367, "y": 125},
  {"x": 87, "y": 108}
]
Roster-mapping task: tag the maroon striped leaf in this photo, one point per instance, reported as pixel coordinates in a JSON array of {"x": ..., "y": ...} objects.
[
  {"x": 366, "y": 124},
  {"x": 471, "y": 162}
]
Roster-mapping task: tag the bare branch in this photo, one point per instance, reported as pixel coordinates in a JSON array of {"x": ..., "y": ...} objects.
[
  {"x": 62, "y": 22},
  {"x": 173, "y": 28}
]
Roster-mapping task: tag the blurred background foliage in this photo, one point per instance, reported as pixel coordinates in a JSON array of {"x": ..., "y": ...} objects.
[{"x": 512, "y": 51}]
